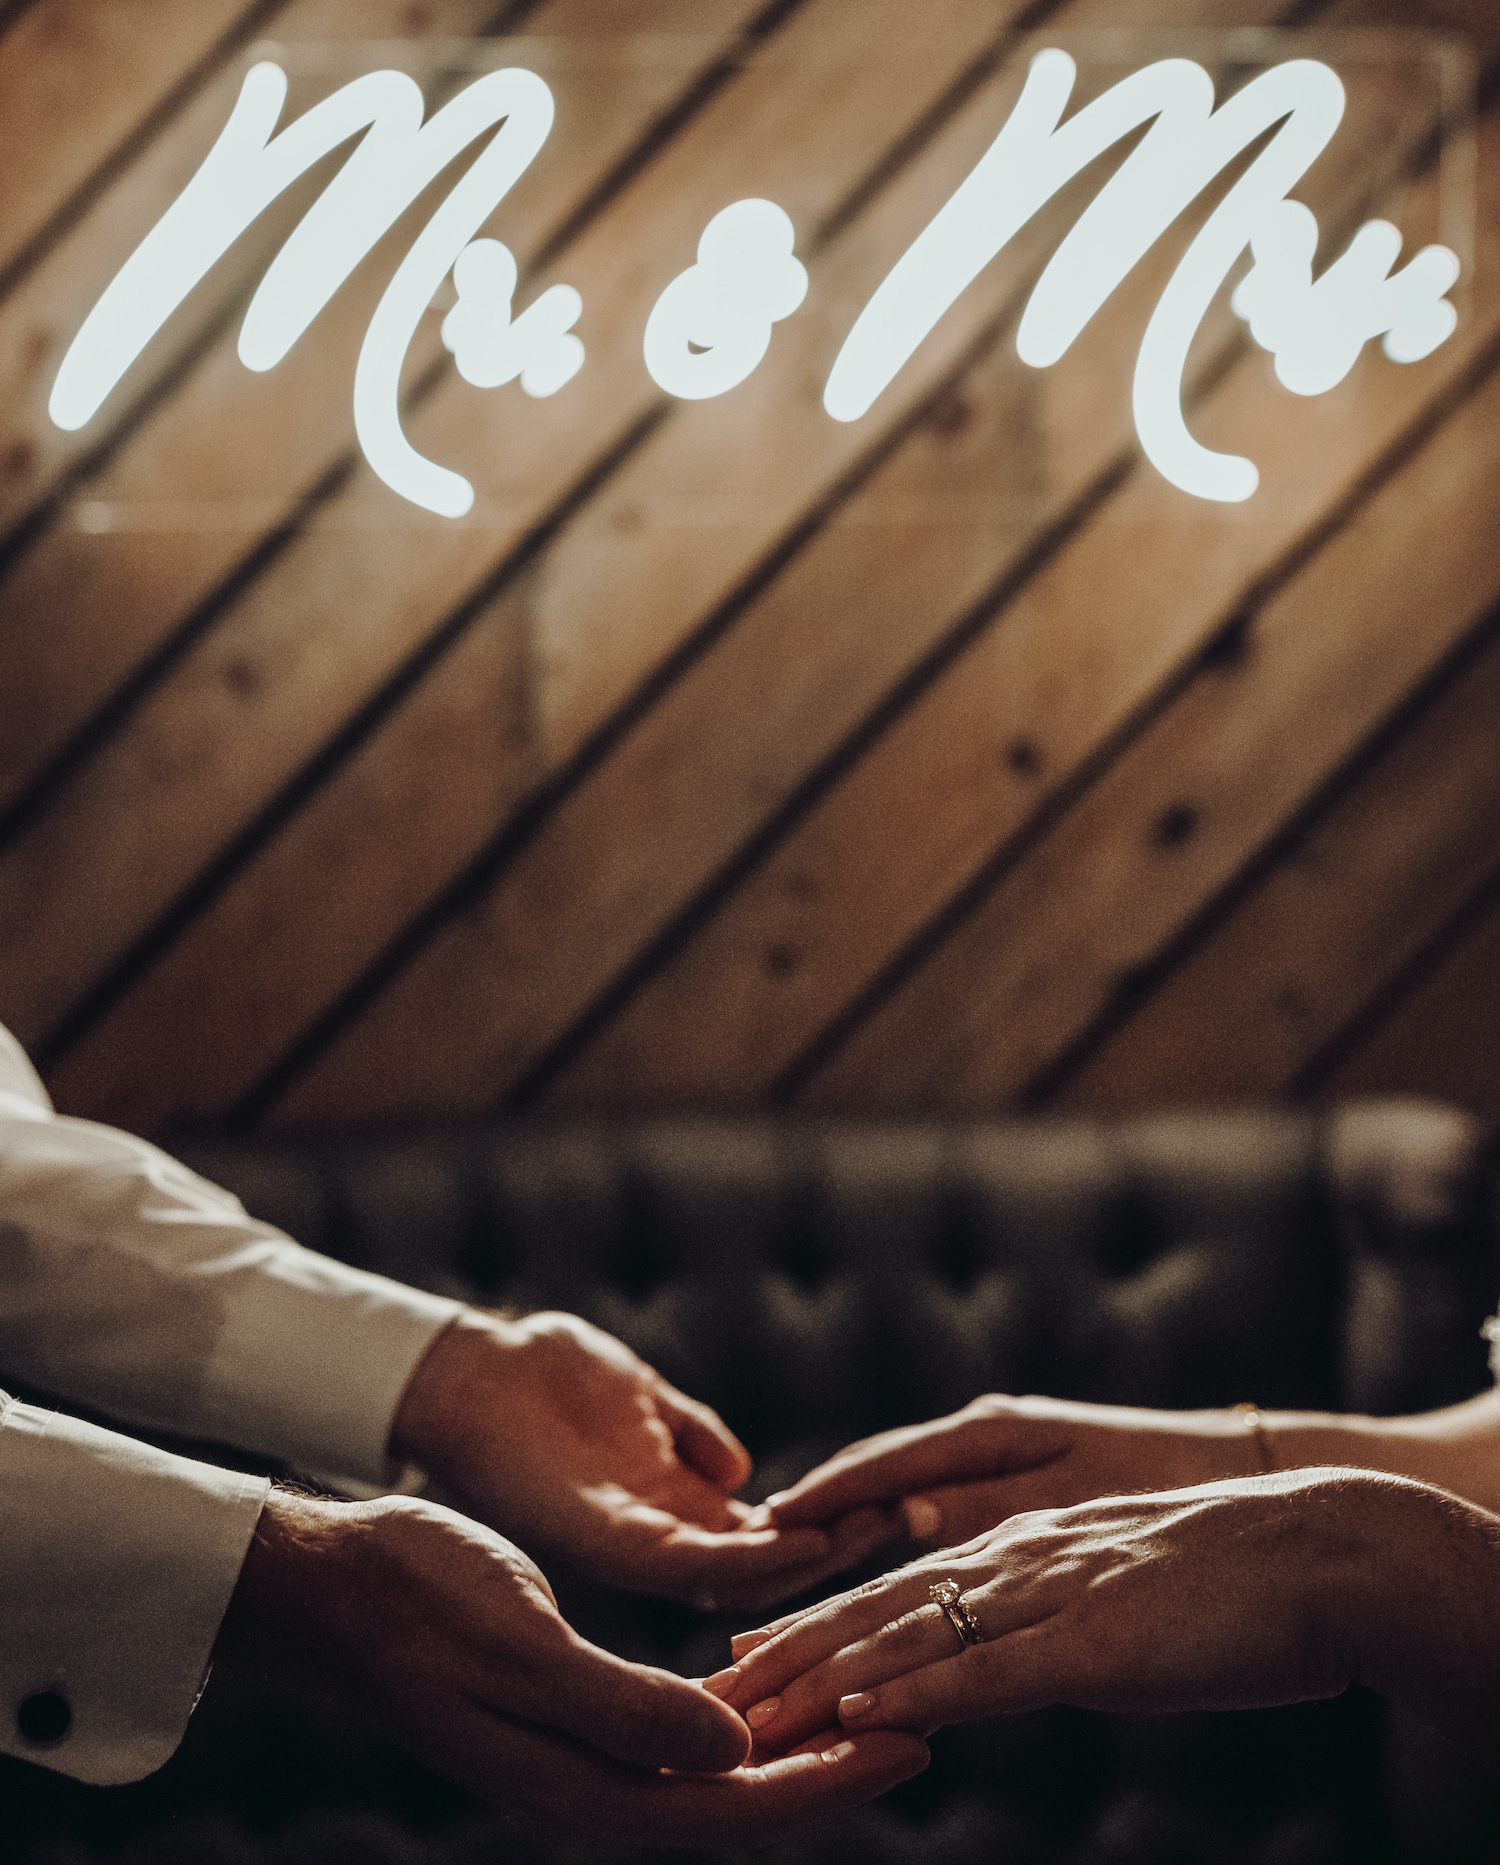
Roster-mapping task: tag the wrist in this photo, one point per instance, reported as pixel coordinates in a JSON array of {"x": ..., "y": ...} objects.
[
  {"x": 273, "y": 1609},
  {"x": 437, "y": 1409},
  {"x": 1420, "y": 1611},
  {"x": 1322, "y": 1440}
]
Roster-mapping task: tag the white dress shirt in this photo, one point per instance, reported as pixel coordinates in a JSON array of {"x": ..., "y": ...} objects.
[{"x": 133, "y": 1287}]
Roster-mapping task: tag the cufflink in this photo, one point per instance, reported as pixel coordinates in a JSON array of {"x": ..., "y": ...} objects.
[{"x": 44, "y": 1717}]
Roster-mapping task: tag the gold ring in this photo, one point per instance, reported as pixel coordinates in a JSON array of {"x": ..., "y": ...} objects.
[{"x": 946, "y": 1593}]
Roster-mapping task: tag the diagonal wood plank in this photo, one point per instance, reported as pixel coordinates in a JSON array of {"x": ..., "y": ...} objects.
[
  {"x": 1076, "y": 649},
  {"x": 135, "y": 63},
  {"x": 1348, "y": 897},
  {"x": 38, "y": 318},
  {"x": 747, "y": 143},
  {"x": 357, "y": 915},
  {"x": 585, "y": 894},
  {"x": 140, "y": 578},
  {"x": 289, "y": 427},
  {"x": 302, "y": 415},
  {"x": 1188, "y": 802},
  {"x": 1440, "y": 1033},
  {"x": 593, "y": 886}
]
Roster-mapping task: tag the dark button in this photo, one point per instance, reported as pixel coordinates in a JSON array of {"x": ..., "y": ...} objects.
[{"x": 44, "y": 1717}]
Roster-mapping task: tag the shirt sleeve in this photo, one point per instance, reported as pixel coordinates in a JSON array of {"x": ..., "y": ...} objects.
[
  {"x": 116, "y": 1565},
  {"x": 132, "y": 1286}
]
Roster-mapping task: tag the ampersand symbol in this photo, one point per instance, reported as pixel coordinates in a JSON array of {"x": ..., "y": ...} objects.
[
  {"x": 489, "y": 348},
  {"x": 1315, "y": 331},
  {"x": 712, "y": 325}
]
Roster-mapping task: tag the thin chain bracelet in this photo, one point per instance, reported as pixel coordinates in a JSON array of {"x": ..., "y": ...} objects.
[{"x": 1256, "y": 1426}]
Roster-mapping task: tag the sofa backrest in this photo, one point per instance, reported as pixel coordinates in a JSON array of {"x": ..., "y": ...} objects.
[{"x": 820, "y": 1279}]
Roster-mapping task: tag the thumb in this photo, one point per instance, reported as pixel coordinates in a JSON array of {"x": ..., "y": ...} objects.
[
  {"x": 639, "y": 1714},
  {"x": 704, "y": 1442}
]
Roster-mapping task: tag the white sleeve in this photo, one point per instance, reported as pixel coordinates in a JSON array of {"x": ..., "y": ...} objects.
[
  {"x": 131, "y": 1285},
  {"x": 116, "y": 1564}
]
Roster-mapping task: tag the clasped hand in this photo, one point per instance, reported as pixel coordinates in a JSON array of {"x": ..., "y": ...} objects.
[
  {"x": 443, "y": 1633},
  {"x": 447, "y": 1638},
  {"x": 1227, "y": 1595},
  {"x": 557, "y": 1435}
]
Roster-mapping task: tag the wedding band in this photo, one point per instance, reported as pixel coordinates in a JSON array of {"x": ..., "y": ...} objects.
[{"x": 946, "y": 1593}]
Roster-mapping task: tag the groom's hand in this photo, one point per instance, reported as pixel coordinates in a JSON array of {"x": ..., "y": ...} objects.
[
  {"x": 556, "y": 1434},
  {"x": 447, "y": 1638}
]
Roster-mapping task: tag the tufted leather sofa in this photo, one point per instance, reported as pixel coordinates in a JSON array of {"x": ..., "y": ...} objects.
[{"x": 819, "y": 1281}]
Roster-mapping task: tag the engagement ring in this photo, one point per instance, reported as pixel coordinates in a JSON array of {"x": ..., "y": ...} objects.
[{"x": 946, "y": 1593}]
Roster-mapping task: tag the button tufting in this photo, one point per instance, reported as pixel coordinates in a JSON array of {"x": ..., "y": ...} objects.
[{"x": 44, "y": 1717}]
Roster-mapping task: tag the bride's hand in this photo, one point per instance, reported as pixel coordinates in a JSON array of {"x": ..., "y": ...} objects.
[
  {"x": 999, "y": 1456},
  {"x": 1229, "y": 1595}
]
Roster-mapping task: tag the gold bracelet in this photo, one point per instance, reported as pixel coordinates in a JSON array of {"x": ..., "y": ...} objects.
[{"x": 1256, "y": 1426}]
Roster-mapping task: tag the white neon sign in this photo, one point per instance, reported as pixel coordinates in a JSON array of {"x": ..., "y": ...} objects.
[
  {"x": 245, "y": 171},
  {"x": 712, "y": 325}
]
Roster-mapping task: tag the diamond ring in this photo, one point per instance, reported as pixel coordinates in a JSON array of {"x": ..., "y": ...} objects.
[{"x": 947, "y": 1594}]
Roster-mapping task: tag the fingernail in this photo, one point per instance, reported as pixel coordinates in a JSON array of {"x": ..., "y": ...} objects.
[
  {"x": 923, "y": 1523},
  {"x": 747, "y": 1641},
  {"x": 759, "y": 1516},
  {"x": 853, "y": 1707},
  {"x": 762, "y": 1713},
  {"x": 722, "y": 1682},
  {"x": 841, "y": 1753}
]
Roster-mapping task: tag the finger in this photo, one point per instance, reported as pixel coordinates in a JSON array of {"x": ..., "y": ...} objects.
[
  {"x": 743, "y": 1643},
  {"x": 801, "y": 1643},
  {"x": 959, "y": 1511},
  {"x": 852, "y": 1540},
  {"x": 651, "y": 1551},
  {"x": 704, "y": 1442},
  {"x": 920, "y": 1458},
  {"x": 563, "y": 1786},
  {"x": 689, "y": 1561},
  {"x": 917, "y": 1639},
  {"x": 758, "y": 1803},
  {"x": 632, "y": 1712},
  {"x": 1025, "y": 1670}
]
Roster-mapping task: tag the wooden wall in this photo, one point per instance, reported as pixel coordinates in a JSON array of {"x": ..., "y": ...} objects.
[{"x": 726, "y": 755}]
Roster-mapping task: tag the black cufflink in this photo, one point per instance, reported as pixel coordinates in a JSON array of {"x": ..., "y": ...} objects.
[{"x": 44, "y": 1717}]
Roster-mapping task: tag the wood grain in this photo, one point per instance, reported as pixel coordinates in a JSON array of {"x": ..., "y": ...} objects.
[
  {"x": 1441, "y": 1037},
  {"x": 200, "y": 753},
  {"x": 745, "y": 143},
  {"x": 80, "y": 84},
  {"x": 1354, "y": 895},
  {"x": 1073, "y": 652},
  {"x": 1189, "y": 802},
  {"x": 656, "y": 819},
  {"x": 629, "y": 788}
]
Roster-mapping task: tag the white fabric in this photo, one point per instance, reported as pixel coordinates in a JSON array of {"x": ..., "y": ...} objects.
[
  {"x": 132, "y": 1286},
  {"x": 116, "y": 1565}
]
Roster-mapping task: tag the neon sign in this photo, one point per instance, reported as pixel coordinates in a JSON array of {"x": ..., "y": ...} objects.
[{"x": 713, "y": 324}]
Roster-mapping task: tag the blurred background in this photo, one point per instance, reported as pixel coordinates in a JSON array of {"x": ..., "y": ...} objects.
[{"x": 726, "y": 756}]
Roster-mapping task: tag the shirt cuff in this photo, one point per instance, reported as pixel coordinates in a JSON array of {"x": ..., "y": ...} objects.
[
  {"x": 133, "y": 1286},
  {"x": 313, "y": 1358},
  {"x": 117, "y": 1562}
]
